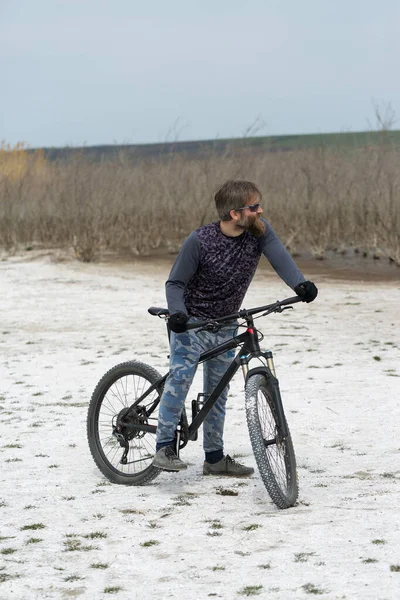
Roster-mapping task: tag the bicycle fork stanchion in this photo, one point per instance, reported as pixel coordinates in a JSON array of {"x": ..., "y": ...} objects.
[
  {"x": 279, "y": 407},
  {"x": 245, "y": 366},
  {"x": 270, "y": 362},
  {"x": 277, "y": 394}
]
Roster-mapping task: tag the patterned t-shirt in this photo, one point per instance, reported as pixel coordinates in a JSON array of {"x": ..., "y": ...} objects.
[{"x": 212, "y": 272}]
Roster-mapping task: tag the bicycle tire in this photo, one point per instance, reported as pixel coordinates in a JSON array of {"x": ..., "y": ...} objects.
[
  {"x": 117, "y": 389},
  {"x": 276, "y": 460}
]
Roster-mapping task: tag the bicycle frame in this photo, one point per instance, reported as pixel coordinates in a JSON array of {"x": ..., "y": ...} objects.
[
  {"x": 119, "y": 421},
  {"x": 249, "y": 348}
]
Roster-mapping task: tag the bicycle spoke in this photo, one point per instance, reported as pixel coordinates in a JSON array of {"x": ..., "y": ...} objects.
[{"x": 123, "y": 392}]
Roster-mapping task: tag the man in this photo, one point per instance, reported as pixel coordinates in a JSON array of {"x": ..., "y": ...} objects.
[{"x": 209, "y": 279}]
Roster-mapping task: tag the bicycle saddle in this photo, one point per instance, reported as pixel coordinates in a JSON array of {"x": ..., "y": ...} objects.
[{"x": 158, "y": 312}]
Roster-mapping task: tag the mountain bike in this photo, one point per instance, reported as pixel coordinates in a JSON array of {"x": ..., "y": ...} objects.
[{"x": 123, "y": 410}]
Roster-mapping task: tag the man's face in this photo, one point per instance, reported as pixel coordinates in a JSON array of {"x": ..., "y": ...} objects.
[{"x": 249, "y": 219}]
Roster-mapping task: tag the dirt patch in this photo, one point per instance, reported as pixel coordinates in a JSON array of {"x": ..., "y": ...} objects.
[{"x": 350, "y": 266}]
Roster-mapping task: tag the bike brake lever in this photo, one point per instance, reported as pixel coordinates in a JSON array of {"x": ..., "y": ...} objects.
[{"x": 278, "y": 309}]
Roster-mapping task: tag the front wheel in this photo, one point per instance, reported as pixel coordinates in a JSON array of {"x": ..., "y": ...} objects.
[
  {"x": 274, "y": 454},
  {"x": 123, "y": 454}
]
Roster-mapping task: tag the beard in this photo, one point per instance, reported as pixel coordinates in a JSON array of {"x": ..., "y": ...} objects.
[{"x": 252, "y": 224}]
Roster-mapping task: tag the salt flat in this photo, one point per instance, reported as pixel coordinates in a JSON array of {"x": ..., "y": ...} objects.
[{"x": 67, "y": 532}]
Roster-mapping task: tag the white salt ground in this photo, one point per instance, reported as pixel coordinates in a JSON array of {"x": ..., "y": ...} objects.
[{"x": 338, "y": 360}]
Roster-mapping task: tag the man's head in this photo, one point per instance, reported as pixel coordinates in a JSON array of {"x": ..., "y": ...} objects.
[{"x": 239, "y": 201}]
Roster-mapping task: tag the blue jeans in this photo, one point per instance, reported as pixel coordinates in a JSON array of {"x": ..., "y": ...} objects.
[{"x": 185, "y": 351}]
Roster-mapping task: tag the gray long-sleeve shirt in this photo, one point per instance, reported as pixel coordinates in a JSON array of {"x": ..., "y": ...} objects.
[{"x": 212, "y": 272}]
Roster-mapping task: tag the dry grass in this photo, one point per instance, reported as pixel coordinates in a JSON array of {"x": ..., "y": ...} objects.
[{"x": 317, "y": 200}]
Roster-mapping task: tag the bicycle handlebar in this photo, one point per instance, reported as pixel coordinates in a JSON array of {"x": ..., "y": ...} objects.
[{"x": 242, "y": 314}]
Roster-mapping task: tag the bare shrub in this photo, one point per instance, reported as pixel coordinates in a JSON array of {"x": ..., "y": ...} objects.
[{"x": 317, "y": 199}]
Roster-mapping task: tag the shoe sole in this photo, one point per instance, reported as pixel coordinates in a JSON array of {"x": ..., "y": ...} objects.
[
  {"x": 228, "y": 474},
  {"x": 168, "y": 469}
]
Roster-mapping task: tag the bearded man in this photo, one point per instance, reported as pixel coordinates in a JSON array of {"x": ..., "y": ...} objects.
[{"x": 208, "y": 280}]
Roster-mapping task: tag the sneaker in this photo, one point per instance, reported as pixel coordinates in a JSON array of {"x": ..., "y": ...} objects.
[
  {"x": 227, "y": 466},
  {"x": 167, "y": 460}
]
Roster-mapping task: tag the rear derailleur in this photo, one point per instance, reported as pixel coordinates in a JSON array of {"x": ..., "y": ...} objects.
[{"x": 123, "y": 433}]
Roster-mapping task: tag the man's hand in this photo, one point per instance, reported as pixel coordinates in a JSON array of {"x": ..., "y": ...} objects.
[
  {"x": 307, "y": 291},
  {"x": 177, "y": 322}
]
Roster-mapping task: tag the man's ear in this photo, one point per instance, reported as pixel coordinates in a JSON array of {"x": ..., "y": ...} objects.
[{"x": 234, "y": 215}]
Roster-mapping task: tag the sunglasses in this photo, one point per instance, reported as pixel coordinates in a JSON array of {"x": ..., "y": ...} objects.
[{"x": 252, "y": 207}]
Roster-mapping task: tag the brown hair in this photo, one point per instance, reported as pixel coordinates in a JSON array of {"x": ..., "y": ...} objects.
[{"x": 234, "y": 194}]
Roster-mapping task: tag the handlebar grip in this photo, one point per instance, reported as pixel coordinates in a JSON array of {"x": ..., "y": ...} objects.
[
  {"x": 197, "y": 324},
  {"x": 291, "y": 300}
]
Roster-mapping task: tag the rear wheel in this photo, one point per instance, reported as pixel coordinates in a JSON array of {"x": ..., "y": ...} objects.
[
  {"x": 124, "y": 455},
  {"x": 274, "y": 454}
]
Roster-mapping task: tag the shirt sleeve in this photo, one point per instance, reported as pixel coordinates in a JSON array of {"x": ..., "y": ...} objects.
[
  {"x": 279, "y": 258},
  {"x": 184, "y": 267}
]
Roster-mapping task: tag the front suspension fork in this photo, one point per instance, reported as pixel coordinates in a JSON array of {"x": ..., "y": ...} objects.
[{"x": 270, "y": 375}]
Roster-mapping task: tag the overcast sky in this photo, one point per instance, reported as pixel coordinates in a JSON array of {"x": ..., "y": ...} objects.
[{"x": 126, "y": 71}]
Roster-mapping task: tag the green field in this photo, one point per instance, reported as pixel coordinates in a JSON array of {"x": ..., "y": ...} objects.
[{"x": 345, "y": 140}]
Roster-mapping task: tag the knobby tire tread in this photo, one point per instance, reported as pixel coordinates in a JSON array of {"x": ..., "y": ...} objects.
[
  {"x": 110, "y": 377},
  {"x": 278, "y": 496}
]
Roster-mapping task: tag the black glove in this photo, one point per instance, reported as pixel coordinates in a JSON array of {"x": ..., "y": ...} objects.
[
  {"x": 307, "y": 291},
  {"x": 177, "y": 322}
]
